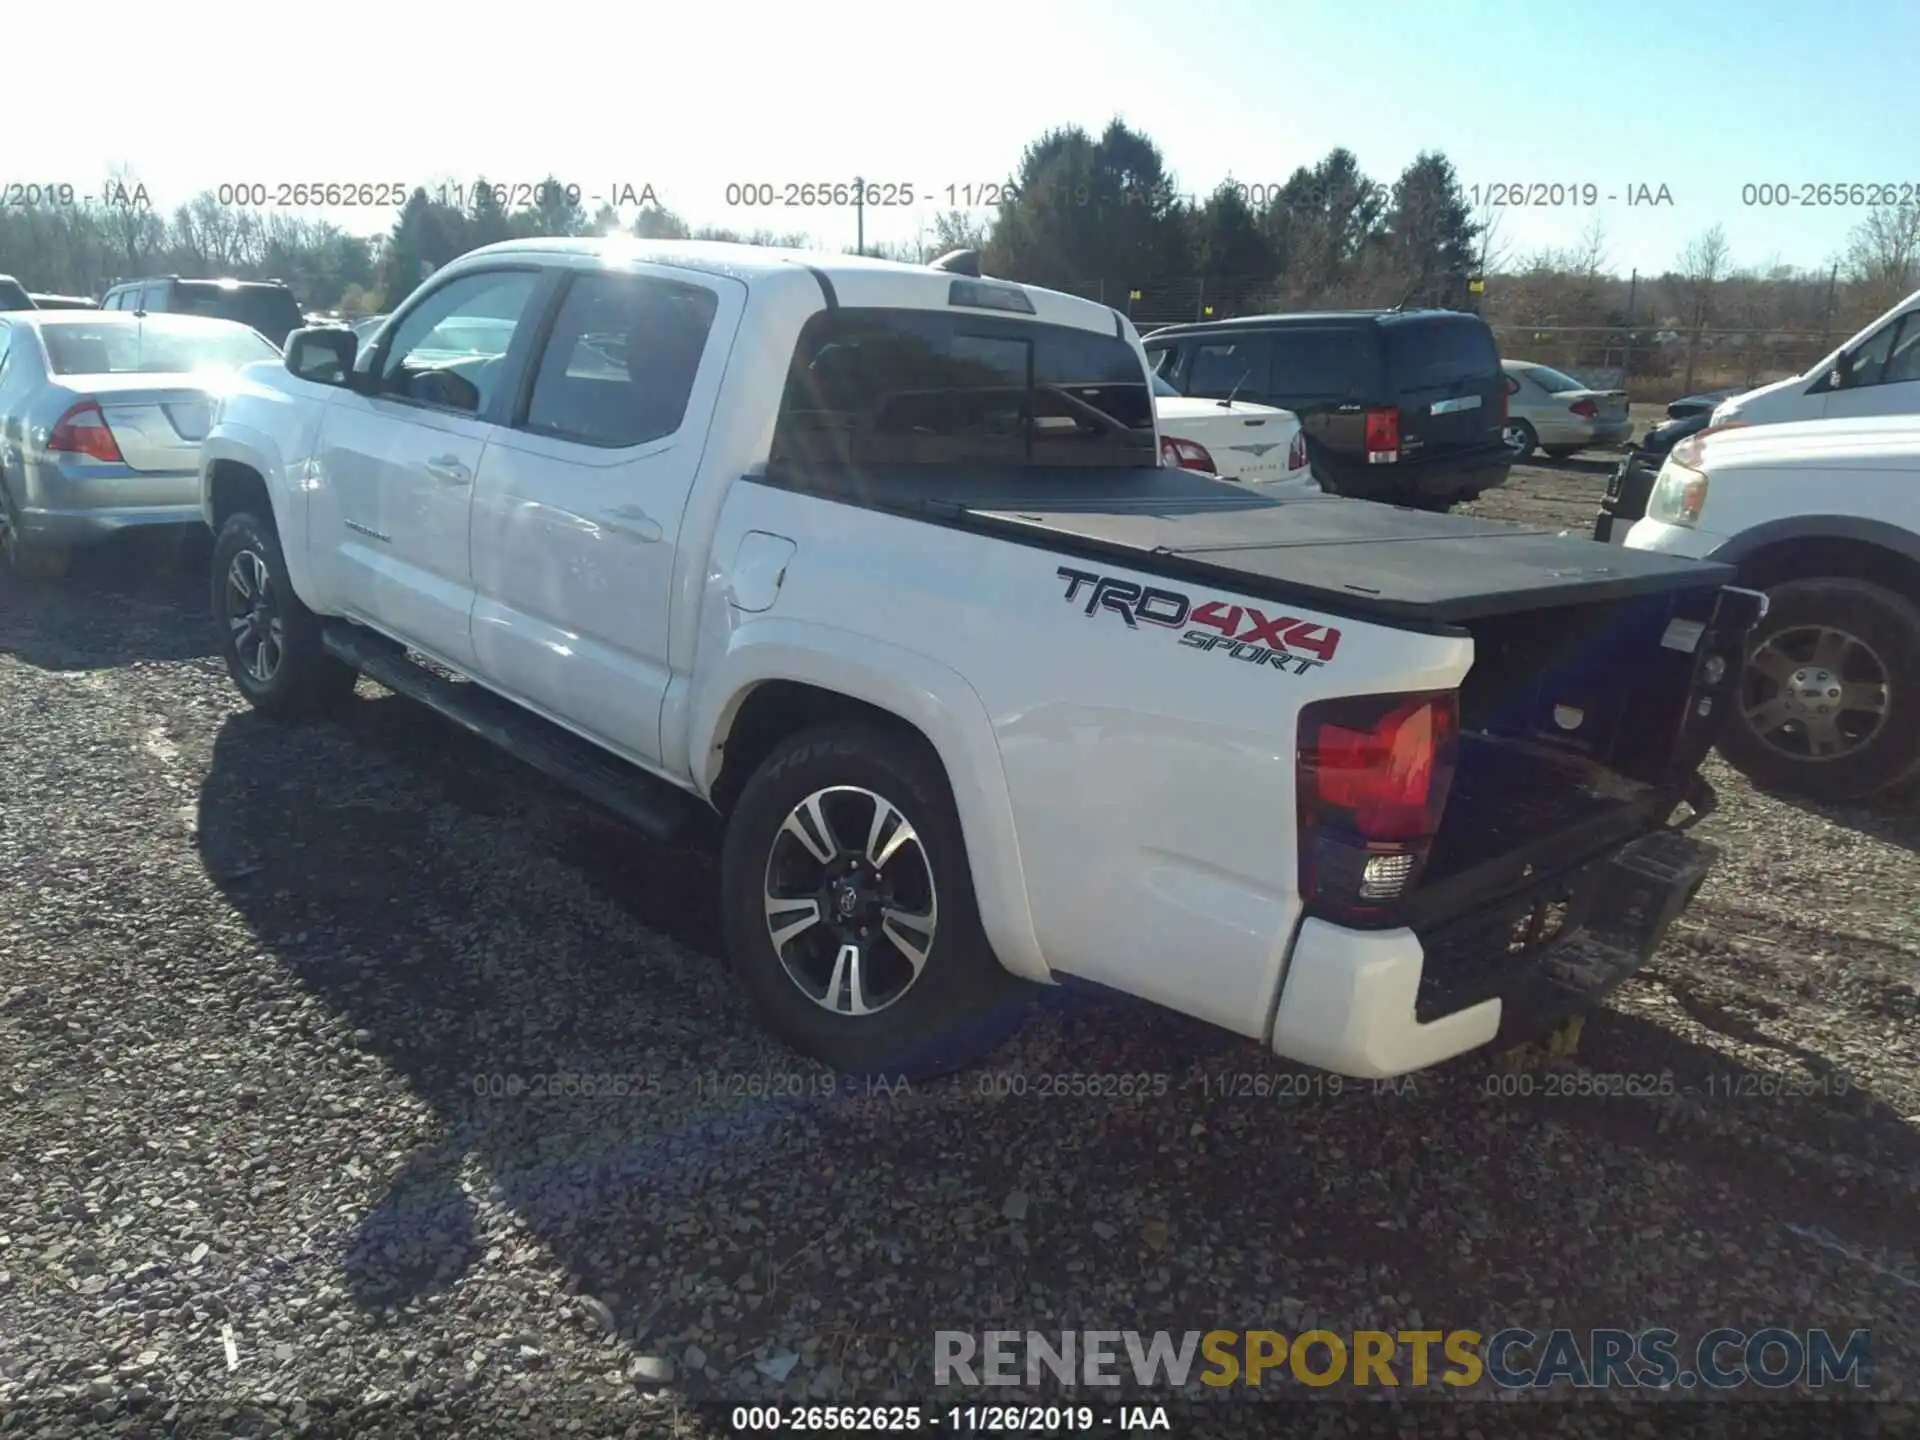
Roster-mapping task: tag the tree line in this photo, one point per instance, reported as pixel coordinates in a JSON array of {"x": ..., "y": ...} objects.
[{"x": 1098, "y": 215}]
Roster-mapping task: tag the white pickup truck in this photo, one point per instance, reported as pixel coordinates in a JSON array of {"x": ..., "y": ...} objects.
[{"x": 876, "y": 562}]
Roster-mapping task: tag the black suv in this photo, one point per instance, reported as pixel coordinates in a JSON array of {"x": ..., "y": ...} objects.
[
  {"x": 1403, "y": 406},
  {"x": 267, "y": 305}
]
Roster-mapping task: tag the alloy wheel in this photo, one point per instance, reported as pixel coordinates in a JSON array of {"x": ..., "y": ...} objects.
[
  {"x": 851, "y": 904},
  {"x": 1815, "y": 693},
  {"x": 257, "y": 631}
]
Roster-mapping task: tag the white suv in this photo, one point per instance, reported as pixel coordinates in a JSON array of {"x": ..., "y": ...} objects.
[{"x": 1825, "y": 517}]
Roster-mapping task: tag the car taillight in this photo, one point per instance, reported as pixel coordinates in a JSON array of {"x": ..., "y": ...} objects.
[
  {"x": 1584, "y": 408},
  {"x": 83, "y": 430},
  {"x": 1297, "y": 451},
  {"x": 1383, "y": 436},
  {"x": 1372, "y": 774},
  {"x": 1177, "y": 454}
]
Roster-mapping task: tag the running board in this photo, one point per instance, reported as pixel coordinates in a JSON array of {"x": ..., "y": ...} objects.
[{"x": 658, "y": 810}]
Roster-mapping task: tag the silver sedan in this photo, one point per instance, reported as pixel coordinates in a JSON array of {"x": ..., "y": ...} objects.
[
  {"x": 1549, "y": 411},
  {"x": 101, "y": 418}
]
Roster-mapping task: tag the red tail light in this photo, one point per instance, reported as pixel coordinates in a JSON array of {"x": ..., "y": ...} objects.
[
  {"x": 1585, "y": 407},
  {"x": 1383, "y": 436},
  {"x": 1373, "y": 775},
  {"x": 83, "y": 431},
  {"x": 1177, "y": 454},
  {"x": 1297, "y": 451}
]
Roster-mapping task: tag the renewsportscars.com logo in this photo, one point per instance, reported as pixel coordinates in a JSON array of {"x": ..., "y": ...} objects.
[
  {"x": 1512, "y": 1359},
  {"x": 1287, "y": 643}
]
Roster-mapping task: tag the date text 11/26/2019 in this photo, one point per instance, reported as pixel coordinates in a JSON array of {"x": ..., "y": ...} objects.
[
  {"x": 1555, "y": 194},
  {"x": 963, "y": 1419}
]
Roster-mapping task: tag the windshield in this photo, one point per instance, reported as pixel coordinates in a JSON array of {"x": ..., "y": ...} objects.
[
  {"x": 157, "y": 345},
  {"x": 1553, "y": 382},
  {"x": 13, "y": 295},
  {"x": 1161, "y": 387}
]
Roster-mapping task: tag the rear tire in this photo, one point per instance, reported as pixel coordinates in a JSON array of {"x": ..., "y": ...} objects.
[
  {"x": 20, "y": 558},
  {"x": 1522, "y": 440},
  {"x": 1561, "y": 452},
  {"x": 1321, "y": 469},
  {"x": 838, "y": 986},
  {"x": 1836, "y": 664},
  {"x": 271, "y": 641}
]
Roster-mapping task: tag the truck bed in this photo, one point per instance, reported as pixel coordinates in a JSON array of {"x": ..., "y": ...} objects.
[{"x": 1408, "y": 568}]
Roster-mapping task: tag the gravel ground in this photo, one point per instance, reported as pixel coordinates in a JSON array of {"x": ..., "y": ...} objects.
[{"x": 263, "y": 993}]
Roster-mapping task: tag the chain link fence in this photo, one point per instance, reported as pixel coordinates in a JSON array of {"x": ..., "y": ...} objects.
[{"x": 1651, "y": 364}]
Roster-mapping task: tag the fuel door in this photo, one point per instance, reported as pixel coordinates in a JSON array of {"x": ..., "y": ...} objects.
[{"x": 759, "y": 565}]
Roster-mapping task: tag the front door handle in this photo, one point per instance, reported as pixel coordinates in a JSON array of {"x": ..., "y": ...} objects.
[
  {"x": 633, "y": 522},
  {"x": 448, "y": 470}
]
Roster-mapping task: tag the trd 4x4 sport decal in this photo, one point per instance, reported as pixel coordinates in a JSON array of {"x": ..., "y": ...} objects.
[{"x": 1295, "y": 646}]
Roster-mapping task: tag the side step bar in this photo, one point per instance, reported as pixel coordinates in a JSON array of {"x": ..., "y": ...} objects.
[{"x": 658, "y": 810}]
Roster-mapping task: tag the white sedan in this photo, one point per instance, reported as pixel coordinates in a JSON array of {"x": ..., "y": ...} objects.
[
  {"x": 1254, "y": 444},
  {"x": 1549, "y": 411}
]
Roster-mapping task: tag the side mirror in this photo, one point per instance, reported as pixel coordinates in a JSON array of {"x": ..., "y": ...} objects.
[
  {"x": 323, "y": 354},
  {"x": 1842, "y": 371}
]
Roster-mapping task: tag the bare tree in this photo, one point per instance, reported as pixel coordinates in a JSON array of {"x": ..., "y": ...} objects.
[
  {"x": 1491, "y": 250},
  {"x": 1694, "y": 287},
  {"x": 136, "y": 231},
  {"x": 1883, "y": 255},
  {"x": 1588, "y": 257}
]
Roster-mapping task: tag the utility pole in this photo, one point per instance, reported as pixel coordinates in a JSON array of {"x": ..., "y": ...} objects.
[
  {"x": 1826, "y": 318},
  {"x": 859, "y": 215},
  {"x": 1626, "y": 360}
]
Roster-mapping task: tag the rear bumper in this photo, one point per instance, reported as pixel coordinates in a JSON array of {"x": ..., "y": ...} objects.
[
  {"x": 93, "y": 525},
  {"x": 1375, "y": 1004},
  {"x": 71, "y": 503},
  {"x": 1575, "y": 431},
  {"x": 1426, "y": 480}
]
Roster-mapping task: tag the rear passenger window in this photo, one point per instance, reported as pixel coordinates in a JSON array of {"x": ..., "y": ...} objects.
[
  {"x": 620, "y": 365},
  {"x": 1313, "y": 363},
  {"x": 1433, "y": 353},
  {"x": 1221, "y": 368},
  {"x": 923, "y": 387}
]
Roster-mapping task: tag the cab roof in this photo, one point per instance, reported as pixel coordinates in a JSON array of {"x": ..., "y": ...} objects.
[
  {"x": 1311, "y": 317},
  {"x": 851, "y": 280}
]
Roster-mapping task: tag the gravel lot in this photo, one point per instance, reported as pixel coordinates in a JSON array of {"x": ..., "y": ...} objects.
[{"x": 263, "y": 990}]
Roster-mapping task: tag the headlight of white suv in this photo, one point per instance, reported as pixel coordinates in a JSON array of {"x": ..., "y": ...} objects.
[{"x": 1680, "y": 493}]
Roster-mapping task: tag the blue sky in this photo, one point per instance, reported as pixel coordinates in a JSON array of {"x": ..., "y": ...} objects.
[{"x": 689, "y": 98}]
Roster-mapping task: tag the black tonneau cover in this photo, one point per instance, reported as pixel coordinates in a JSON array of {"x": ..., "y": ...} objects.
[{"x": 1352, "y": 557}]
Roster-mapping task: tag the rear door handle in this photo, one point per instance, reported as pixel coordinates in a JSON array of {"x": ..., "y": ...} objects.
[
  {"x": 448, "y": 470},
  {"x": 633, "y": 522}
]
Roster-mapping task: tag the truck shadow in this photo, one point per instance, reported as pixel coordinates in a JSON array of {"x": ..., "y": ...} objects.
[
  {"x": 471, "y": 936},
  {"x": 1892, "y": 817},
  {"x": 1589, "y": 463},
  {"x": 140, "y": 597}
]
